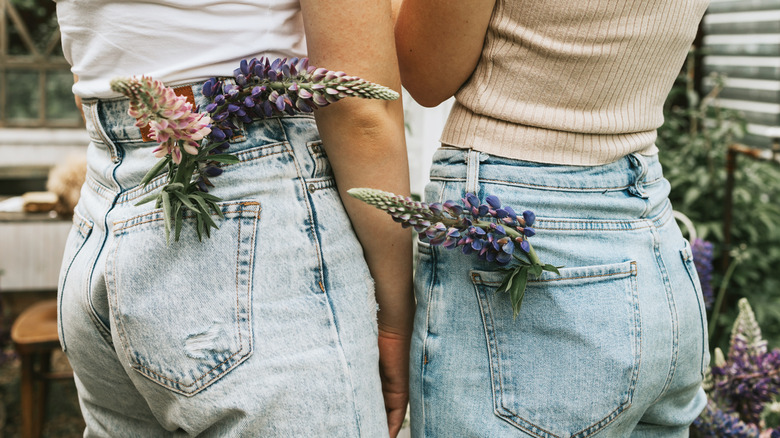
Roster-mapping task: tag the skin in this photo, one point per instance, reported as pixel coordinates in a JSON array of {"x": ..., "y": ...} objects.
[
  {"x": 439, "y": 43},
  {"x": 364, "y": 140}
]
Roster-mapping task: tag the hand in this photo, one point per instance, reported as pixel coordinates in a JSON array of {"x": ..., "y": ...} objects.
[{"x": 394, "y": 372}]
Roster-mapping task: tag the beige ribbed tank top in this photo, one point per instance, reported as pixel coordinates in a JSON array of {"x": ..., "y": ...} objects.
[{"x": 578, "y": 82}]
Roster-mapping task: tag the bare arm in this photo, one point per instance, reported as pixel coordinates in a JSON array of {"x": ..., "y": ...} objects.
[
  {"x": 78, "y": 100},
  {"x": 364, "y": 140},
  {"x": 439, "y": 43}
]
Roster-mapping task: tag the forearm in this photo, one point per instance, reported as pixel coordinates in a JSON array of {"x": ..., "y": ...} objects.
[
  {"x": 364, "y": 139},
  {"x": 439, "y": 44},
  {"x": 370, "y": 152}
]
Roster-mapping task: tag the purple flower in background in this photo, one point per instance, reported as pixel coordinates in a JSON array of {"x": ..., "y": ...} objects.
[
  {"x": 715, "y": 423},
  {"x": 702, "y": 258},
  {"x": 749, "y": 377}
]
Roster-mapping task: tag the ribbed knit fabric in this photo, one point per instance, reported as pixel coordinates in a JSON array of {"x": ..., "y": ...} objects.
[{"x": 573, "y": 82}]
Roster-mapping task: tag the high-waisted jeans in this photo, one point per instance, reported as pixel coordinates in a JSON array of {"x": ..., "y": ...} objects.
[
  {"x": 614, "y": 346},
  {"x": 267, "y": 328}
]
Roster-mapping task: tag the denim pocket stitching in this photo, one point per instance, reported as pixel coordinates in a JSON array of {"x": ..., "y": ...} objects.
[
  {"x": 497, "y": 379},
  {"x": 155, "y": 216}
]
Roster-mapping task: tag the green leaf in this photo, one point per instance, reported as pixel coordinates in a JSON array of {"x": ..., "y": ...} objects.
[
  {"x": 517, "y": 292},
  {"x": 154, "y": 171},
  {"x": 204, "y": 214},
  {"x": 216, "y": 209},
  {"x": 166, "y": 201},
  {"x": 184, "y": 199},
  {"x": 223, "y": 158},
  {"x": 149, "y": 198},
  {"x": 551, "y": 268},
  {"x": 208, "y": 196},
  {"x": 173, "y": 187},
  {"x": 177, "y": 222},
  {"x": 536, "y": 270},
  {"x": 507, "y": 282},
  {"x": 199, "y": 227}
]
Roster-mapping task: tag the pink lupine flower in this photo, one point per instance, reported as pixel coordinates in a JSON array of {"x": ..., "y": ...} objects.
[{"x": 171, "y": 119}]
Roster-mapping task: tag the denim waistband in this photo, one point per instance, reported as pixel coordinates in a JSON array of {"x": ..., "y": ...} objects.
[
  {"x": 111, "y": 115},
  {"x": 632, "y": 172}
]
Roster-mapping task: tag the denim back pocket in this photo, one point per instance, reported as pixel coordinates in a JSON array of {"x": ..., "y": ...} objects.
[
  {"x": 82, "y": 228},
  {"x": 687, "y": 257},
  {"x": 568, "y": 364},
  {"x": 182, "y": 312}
]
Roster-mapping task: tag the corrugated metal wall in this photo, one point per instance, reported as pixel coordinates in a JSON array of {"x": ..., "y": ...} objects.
[{"x": 742, "y": 42}]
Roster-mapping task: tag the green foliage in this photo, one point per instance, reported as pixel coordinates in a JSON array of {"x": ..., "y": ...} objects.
[{"x": 694, "y": 141}]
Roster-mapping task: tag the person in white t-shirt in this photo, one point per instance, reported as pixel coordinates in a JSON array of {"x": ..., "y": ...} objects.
[{"x": 268, "y": 327}]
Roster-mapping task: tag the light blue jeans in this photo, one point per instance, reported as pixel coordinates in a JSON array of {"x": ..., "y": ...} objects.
[
  {"x": 268, "y": 328},
  {"x": 615, "y": 346}
]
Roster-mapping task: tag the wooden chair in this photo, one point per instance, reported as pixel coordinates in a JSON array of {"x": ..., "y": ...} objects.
[{"x": 35, "y": 337}]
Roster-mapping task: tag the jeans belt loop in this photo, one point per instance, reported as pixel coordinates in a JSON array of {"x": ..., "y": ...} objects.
[
  {"x": 637, "y": 187},
  {"x": 472, "y": 172}
]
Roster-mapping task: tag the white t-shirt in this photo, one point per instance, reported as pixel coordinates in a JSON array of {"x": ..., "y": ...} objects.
[{"x": 175, "y": 41}]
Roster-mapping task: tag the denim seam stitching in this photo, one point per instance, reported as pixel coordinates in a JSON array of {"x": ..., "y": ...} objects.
[
  {"x": 495, "y": 362},
  {"x": 318, "y": 251},
  {"x": 93, "y": 109},
  {"x": 498, "y": 408},
  {"x": 631, "y": 272},
  {"x": 98, "y": 188},
  {"x": 424, "y": 358},
  {"x": 131, "y": 195},
  {"x": 157, "y": 211},
  {"x": 82, "y": 221},
  {"x": 637, "y": 359},
  {"x": 687, "y": 262},
  {"x": 673, "y": 316},
  {"x": 138, "y": 367},
  {"x": 536, "y": 186}
]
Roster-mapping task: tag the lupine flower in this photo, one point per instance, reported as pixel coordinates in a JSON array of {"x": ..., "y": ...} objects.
[
  {"x": 716, "y": 423},
  {"x": 265, "y": 88},
  {"x": 702, "y": 258},
  {"x": 170, "y": 117},
  {"x": 486, "y": 230},
  {"x": 490, "y": 230},
  {"x": 749, "y": 377}
]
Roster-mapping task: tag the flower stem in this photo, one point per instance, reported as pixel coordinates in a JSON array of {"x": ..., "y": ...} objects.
[{"x": 721, "y": 295}]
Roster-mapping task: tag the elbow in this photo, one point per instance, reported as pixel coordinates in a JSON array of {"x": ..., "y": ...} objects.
[
  {"x": 427, "y": 94},
  {"x": 425, "y": 90},
  {"x": 427, "y": 99}
]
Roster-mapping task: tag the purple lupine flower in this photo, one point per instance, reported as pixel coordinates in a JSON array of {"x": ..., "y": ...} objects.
[
  {"x": 702, "y": 258},
  {"x": 716, "y": 423},
  {"x": 486, "y": 230},
  {"x": 749, "y": 377},
  {"x": 265, "y": 88}
]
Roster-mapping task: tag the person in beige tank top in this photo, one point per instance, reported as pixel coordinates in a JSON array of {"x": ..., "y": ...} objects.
[{"x": 556, "y": 110}]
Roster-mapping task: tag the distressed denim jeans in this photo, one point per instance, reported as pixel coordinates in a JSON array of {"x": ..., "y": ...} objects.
[
  {"x": 267, "y": 328},
  {"x": 614, "y": 346}
]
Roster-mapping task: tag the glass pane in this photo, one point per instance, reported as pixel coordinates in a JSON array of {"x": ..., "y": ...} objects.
[
  {"x": 40, "y": 21},
  {"x": 22, "y": 94},
  {"x": 59, "y": 98}
]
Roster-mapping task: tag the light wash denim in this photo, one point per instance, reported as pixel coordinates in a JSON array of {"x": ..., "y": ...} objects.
[
  {"x": 614, "y": 346},
  {"x": 266, "y": 329}
]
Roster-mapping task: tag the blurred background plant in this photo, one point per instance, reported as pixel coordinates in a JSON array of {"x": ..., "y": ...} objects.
[{"x": 694, "y": 141}]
